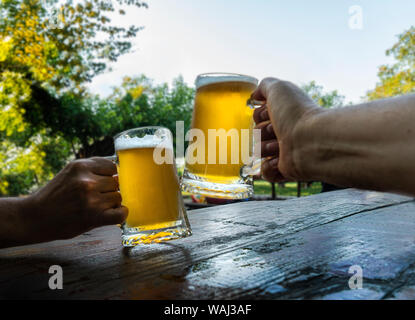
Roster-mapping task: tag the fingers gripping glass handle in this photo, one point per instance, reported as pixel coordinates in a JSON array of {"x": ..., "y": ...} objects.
[
  {"x": 114, "y": 159},
  {"x": 253, "y": 170}
]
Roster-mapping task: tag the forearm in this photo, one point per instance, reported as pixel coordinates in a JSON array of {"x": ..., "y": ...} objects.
[
  {"x": 369, "y": 146},
  {"x": 12, "y": 223}
]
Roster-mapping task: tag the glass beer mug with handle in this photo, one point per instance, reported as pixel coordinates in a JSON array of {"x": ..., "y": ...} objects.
[
  {"x": 220, "y": 158},
  {"x": 149, "y": 187}
]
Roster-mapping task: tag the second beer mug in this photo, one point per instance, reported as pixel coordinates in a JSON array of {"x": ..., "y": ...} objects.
[
  {"x": 149, "y": 186},
  {"x": 220, "y": 156}
]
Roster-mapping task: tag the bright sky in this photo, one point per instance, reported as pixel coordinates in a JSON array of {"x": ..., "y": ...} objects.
[{"x": 296, "y": 40}]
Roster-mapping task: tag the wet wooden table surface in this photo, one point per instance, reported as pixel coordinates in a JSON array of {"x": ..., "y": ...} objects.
[{"x": 294, "y": 249}]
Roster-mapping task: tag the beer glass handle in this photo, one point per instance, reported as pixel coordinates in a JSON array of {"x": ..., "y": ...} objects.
[
  {"x": 253, "y": 104},
  {"x": 253, "y": 170}
]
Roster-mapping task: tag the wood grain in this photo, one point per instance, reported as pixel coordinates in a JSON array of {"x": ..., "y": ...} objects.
[{"x": 299, "y": 248}]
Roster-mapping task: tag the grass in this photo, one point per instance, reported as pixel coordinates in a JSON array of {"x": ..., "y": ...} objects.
[{"x": 290, "y": 189}]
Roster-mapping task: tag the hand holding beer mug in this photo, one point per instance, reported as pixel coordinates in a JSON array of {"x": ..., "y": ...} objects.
[
  {"x": 149, "y": 187},
  {"x": 220, "y": 159}
]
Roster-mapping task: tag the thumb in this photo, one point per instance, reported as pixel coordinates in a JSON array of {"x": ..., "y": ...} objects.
[
  {"x": 262, "y": 92},
  {"x": 114, "y": 216}
]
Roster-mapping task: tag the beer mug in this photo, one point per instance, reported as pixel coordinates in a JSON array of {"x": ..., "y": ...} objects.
[
  {"x": 149, "y": 187},
  {"x": 222, "y": 129}
]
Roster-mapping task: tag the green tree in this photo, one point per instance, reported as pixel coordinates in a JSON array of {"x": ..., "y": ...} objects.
[
  {"x": 399, "y": 77},
  {"x": 137, "y": 102},
  {"x": 49, "y": 49},
  {"x": 63, "y": 43},
  {"x": 324, "y": 99}
]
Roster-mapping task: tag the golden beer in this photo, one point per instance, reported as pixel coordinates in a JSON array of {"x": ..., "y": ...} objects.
[
  {"x": 150, "y": 189},
  {"x": 221, "y": 104}
]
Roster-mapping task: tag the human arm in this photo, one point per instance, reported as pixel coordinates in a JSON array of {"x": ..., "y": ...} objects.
[
  {"x": 368, "y": 146},
  {"x": 81, "y": 197}
]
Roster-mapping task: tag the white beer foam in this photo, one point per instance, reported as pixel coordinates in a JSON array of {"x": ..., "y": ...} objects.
[
  {"x": 148, "y": 141},
  {"x": 205, "y": 79}
]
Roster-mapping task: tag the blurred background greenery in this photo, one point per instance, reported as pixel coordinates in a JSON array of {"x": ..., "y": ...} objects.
[{"x": 50, "y": 50}]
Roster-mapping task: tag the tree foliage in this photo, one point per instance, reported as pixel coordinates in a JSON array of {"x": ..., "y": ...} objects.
[
  {"x": 58, "y": 41},
  {"x": 49, "y": 49},
  {"x": 84, "y": 127},
  {"x": 399, "y": 77},
  {"x": 324, "y": 99},
  {"x": 137, "y": 102}
]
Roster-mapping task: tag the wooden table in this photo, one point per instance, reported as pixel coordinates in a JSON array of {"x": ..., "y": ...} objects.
[{"x": 299, "y": 248}]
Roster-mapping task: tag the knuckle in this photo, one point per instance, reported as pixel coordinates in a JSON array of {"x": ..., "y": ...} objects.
[
  {"x": 89, "y": 185},
  {"x": 78, "y": 165},
  {"x": 86, "y": 185},
  {"x": 92, "y": 204}
]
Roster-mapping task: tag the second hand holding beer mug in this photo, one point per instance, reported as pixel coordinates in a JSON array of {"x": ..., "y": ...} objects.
[{"x": 149, "y": 187}]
